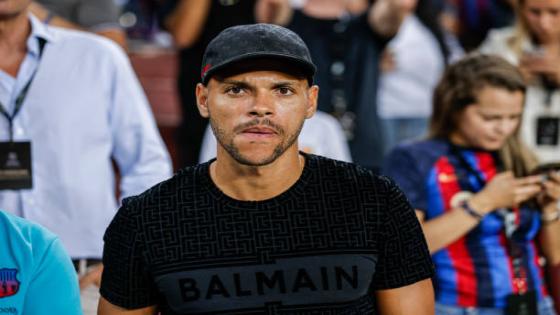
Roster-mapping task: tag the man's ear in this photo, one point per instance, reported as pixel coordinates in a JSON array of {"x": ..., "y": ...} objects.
[
  {"x": 202, "y": 99},
  {"x": 312, "y": 98}
]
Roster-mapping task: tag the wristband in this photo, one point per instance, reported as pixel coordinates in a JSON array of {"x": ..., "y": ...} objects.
[
  {"x": 470, "y": 211},
  {"x": 547, "y": 218}
]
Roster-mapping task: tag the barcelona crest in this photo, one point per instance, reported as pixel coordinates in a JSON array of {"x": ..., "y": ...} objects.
[{"x": 9, "y": 284}]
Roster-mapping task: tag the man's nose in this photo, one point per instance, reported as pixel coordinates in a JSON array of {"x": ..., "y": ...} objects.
[{"x": 262, "y": 105}]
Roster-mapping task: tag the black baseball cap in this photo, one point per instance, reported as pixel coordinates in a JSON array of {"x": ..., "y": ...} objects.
[{"x": 242, "y": 43}]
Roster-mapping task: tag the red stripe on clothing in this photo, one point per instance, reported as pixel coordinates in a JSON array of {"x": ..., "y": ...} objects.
[
  {"x": 486, "y": 165},
  {"x": 460, "y": 257},
  {"x": 544, "y": 290}
]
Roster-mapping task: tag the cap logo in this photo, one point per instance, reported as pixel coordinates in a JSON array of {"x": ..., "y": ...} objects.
[{"x": 205, "y": 69}]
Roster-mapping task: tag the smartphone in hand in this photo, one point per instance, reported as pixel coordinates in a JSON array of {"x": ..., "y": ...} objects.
[{"x": 544, "y": 169}]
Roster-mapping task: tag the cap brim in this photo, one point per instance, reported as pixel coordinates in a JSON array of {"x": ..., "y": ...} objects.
[{"x": 308, "y": 69}]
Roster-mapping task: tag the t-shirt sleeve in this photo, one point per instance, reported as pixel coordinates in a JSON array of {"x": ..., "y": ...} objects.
[
  {"x": 401, "y": 166},
  {"x": 404, "y": 258},
  {"x": 53, "y": 288},
  {"x": 126, "y": 281}
]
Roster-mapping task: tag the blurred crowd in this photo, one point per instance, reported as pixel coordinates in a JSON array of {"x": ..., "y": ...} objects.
[
  {"x": 377, "y": 105},
  {"x": 382, "y": 102}
]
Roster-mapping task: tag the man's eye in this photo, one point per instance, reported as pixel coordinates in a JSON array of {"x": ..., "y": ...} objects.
[
  {"x": 234, "y": 90},
  {"x": 285, "y": 91}
]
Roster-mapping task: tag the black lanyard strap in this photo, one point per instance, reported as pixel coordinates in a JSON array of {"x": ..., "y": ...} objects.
[
  {"x": 22, "y": 95},
  {"x": 456, "y": 152}
]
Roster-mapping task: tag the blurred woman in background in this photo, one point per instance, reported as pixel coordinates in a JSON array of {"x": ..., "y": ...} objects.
[
  {"x": 534, "y": 45},
  {"x": 482, "y": 214}
]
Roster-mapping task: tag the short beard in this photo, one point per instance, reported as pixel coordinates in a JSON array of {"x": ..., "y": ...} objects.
[{"x": 233, "y": 151}]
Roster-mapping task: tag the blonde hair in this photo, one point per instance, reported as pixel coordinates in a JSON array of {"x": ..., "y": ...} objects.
[
  {"x": 522, "y": 32},
  {"x": 458, "y": 89}
]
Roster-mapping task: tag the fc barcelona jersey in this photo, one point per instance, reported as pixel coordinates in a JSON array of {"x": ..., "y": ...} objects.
[{"x": 476, "y": 270}]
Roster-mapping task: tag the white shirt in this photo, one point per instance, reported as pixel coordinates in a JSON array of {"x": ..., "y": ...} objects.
[{"x": 406, "y": 92}]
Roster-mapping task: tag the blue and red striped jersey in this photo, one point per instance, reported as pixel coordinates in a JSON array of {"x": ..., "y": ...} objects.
[{"x": 476, "y": 270}]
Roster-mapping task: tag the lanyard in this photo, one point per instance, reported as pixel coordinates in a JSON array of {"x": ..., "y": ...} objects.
[
  {"x": 456, "y": 152},
  {"x": 510, "y": 226},
  {"x": 22, "y": 95}
]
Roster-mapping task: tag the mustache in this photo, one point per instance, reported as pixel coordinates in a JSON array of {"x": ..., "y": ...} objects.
[{"x": 259, "y": 122}]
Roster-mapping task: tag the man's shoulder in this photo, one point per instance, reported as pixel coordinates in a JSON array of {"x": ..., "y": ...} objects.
[
  {"x": 23, "y": 234},
  {"x": 345, "y": 173},
  {"x": 83, "y": 41},
  {"x": 185, "y": 182}
]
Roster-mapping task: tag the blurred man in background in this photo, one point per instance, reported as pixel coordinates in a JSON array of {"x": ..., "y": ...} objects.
[{"x": 70, "y": 105}]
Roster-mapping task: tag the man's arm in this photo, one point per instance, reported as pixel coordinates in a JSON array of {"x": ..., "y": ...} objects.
[
  {"x": 138, "y": 149},
  {"x": 106, "y": 308},
  {"x": 417, "y": 299},
  {"x": 186, "y": 21},
  {"x": 386, "y": 16},
  {"x": 273, "y": 11}
]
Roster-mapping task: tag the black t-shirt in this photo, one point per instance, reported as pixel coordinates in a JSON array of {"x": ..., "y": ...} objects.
[{"x": 323, "y": 246}]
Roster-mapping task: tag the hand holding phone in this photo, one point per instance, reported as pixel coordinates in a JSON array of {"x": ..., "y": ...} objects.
[{"x": 546, "y": 168}]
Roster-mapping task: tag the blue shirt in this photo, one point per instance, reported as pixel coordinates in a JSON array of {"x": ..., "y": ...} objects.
[
  {"x": 85, "y": 107},
  {"x": 36, "y": 274}
]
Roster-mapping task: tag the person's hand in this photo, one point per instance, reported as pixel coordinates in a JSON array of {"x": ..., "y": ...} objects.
[
  {"x": 387, "y": 62},
  {"x": 549, "y": 199},
  {"x": 386, "y": 16},
  {"x": 92, "y": 277},
  {"x": 273, "y": 11},
  {"x": 534, "y": 65},
  {"x": 506, "y": 191}
]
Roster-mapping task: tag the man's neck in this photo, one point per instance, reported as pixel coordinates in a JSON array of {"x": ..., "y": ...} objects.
[
  {"x": 254, "y": 183},
  {"x": 14, "y": 32}
]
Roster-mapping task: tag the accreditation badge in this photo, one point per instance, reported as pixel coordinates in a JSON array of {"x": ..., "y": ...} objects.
[
  {"x": 15, "y": 165},
  {"x": 522, "y": 304},
  {"x": 548, "y": 130}
]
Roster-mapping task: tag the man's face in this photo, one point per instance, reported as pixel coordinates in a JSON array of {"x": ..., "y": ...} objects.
[
  {"x": 11, "y": 8},
  {"x": 256, "y": 116}
]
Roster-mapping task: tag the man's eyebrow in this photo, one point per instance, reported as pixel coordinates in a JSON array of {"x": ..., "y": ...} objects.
[
  {"x": 237, "y": 83},
  {"x": 284, "y": 84}
]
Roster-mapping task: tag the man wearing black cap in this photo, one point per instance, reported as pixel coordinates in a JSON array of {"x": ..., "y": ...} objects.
[{"x": 265, "y": 228}]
